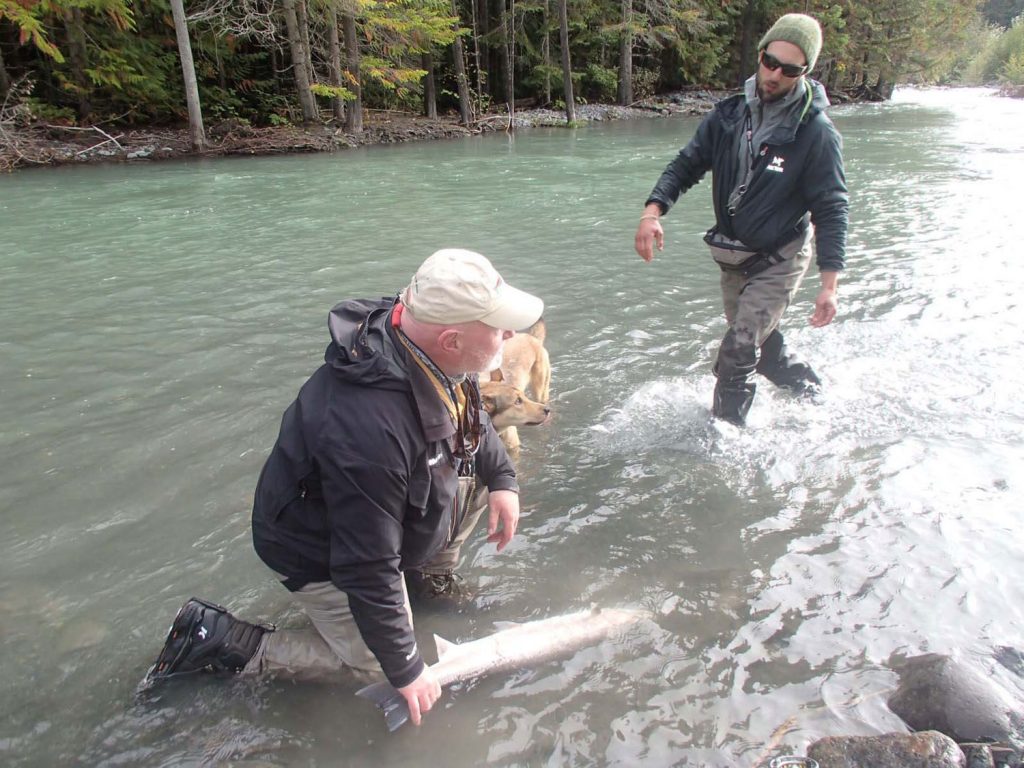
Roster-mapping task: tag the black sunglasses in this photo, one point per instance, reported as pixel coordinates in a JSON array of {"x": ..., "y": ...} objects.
[{"x": 789, "y": 70}]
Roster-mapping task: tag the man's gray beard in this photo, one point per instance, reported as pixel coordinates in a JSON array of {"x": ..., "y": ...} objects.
[{"x": 495, "y": 363}]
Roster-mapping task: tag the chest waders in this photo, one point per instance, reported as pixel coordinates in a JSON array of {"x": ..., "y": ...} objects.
[{"x": 754, "y": 300}]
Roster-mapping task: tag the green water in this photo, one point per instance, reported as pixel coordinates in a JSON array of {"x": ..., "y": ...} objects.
[{"x": 157, "y": 319}]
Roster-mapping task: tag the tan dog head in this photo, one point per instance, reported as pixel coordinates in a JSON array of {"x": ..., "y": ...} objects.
[{"x": 509, "y": 407}]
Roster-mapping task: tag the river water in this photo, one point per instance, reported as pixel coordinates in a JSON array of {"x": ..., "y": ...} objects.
[{"x": 158, "y": 319}]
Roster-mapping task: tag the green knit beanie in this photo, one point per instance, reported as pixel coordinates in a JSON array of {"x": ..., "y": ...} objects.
[{"x": 799, "y": 29}]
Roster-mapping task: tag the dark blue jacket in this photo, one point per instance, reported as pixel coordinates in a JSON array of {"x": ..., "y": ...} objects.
[
  {"x": 798, "y": 169},
  {"x": 361, "y": 483}
]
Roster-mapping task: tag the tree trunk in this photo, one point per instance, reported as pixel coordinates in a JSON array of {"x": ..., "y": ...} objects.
[
  {"x": 337, "y": 103},
  {"x": 465, "y": 105},
  {"x": 883, "y": 87},
  {"x": 545, "y": 52},
  {"x": 5, "y": 79},
  {"x": 746, "y": 62},
  {"x": 75, "y": 29},
  {"x": 196, "y": 133},
  {"x": 563, "y": 23},
  {"x": 222, "y": 74},
  {"x": 354, "y": 113},
  {"x": 429, "y": 88},
  {"x": 275, "y": 65},
  {"x": 507, "y": 64},
  {"x": 474, "y": 6},
  {"x": 487, "y": 55},
  {"x": 626, "y": 55},
  {"x": 309, "y": 110},
  {"x": 303, "y": 18}
]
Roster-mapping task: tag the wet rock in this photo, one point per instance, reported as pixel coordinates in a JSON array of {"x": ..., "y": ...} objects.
[
  {"x": 1011, "y": 658},
  {"x": 978, "y": 755},
  {"x": 891, "y": 750},
  {"x": 937, "y": 693}
]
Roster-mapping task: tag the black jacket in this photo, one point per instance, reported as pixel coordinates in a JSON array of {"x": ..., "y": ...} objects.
[
  {"x": 798, "y": 169},
  {"x": 361, "y": 483}
]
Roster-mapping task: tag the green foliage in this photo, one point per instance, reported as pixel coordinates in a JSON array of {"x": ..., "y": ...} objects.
[
  {"x": 119, "y": 59},
  {"x": 999, "y": 57},
  {"x": 403, "y": 26},
  {"x": 25, "y": 16},
  {"x": 48, "y": 113},
  {"x": 332, "y": 91},
  {"x": 600, "y": 83},
  {"x": 1013, "y": 73}
]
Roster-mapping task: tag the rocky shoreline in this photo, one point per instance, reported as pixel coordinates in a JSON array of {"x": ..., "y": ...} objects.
[{"x": 37, "y": 145}]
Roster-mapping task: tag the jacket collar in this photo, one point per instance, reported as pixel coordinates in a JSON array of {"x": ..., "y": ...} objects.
[{"x": 434, "y": 416}]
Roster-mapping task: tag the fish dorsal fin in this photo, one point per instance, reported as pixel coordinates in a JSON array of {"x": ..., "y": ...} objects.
[{"x": 444, "y": 647}]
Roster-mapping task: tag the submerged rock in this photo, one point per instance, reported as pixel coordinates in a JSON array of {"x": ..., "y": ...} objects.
[
  {"x": 937, "y": 693},
  {"x": 891, "y": 750}
]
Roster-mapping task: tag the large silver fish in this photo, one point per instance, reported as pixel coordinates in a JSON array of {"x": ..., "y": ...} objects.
[{"x": 518, "y": 646}]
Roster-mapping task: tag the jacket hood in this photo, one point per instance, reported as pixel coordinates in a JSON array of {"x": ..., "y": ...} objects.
[{"x": 362, "y": 349}]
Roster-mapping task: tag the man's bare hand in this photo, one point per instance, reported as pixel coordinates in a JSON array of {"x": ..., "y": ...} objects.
[
  {"x": 648, "y": 235},
  {"x": 825, "y": 307},
  {"x": 503, "y": 518},
  {"x": 421, "y": 694}
]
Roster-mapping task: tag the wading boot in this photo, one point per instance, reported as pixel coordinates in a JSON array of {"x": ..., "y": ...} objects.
[
  {"x": 206, "y": 638},
  {"x": 732, "y": 402},
  {"x": 784, "y": 369},
  {"x": 436, "y": 590}
]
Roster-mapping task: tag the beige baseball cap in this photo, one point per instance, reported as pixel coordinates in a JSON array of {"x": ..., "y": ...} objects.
[{"x": 459, "y": 286}]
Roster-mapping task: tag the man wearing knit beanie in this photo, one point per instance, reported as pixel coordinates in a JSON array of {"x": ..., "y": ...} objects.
[
  {"x": 780, "y": 197},
  {"x": 799, "y": 29}
]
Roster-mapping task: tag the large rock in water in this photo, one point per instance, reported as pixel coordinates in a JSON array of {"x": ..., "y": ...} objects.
[
  {"x": 938, "y": 694},
  {"x": 890, "y": 750}
]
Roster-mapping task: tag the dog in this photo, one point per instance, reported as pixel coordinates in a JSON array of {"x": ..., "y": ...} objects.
[
  {"x": 525, "y": 363},
  {"x": 509, "y": 407}
]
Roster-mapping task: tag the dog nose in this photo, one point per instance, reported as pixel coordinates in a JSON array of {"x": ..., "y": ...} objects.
[{"x": 547, "y": 411}]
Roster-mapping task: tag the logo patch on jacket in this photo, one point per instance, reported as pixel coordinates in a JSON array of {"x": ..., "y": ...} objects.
[{"x": 776, "y": 164}]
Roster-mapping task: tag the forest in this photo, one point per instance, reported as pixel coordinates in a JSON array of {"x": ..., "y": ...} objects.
[{"x": 302, "y": 62}]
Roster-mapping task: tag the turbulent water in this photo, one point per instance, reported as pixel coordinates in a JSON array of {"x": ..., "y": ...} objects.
[{"x": 158, "y": 319}]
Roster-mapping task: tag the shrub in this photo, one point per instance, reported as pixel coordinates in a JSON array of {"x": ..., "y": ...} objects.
[
  {"x": 1013, "y": 73},
  {"x": 1000, "y": 57},
  {"x": 600, "y": 84}
]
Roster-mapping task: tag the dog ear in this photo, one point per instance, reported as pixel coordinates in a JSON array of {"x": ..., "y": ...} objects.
[{"x": 497, "y": 375}]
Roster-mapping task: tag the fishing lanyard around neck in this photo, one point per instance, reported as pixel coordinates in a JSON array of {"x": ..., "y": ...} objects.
[{"x": 741, "y": 188}]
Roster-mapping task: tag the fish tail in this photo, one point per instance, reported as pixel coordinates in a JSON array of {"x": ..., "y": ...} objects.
[{"x": 390, "y": 701}]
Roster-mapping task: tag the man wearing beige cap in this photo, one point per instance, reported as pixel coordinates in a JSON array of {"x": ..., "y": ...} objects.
[
  {"x": 779, "y": 193},
  {"x": 372, "y": 477}
]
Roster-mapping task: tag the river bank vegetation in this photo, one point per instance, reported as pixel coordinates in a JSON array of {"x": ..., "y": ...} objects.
[{"x": 89, "y": 69}]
